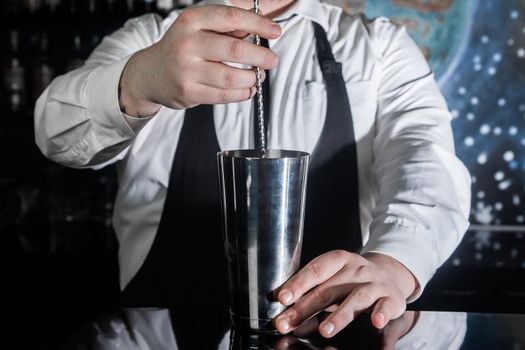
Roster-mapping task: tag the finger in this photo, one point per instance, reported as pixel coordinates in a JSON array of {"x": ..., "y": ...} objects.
[
  {"x": 226, "y": 19},
  {"x": 242, "y": 34},
  {"x": 311, "y": 304},
  {"x": 361, "y": 298},
  {"x": 332, "y": 308},
  {"x": 230, "y": 49},
  {"x": 222, "y": 76},
  {"x": 386, "y": 309},
  {"x": 314, "y": 273},
  {"x": 202, "y": 94}
]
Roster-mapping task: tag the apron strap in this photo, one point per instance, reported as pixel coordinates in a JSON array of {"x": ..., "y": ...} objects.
[{"x": 332, "y": 201}]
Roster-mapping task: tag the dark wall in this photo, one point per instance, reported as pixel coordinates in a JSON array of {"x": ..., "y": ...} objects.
[{"x": 56, "y": 235}]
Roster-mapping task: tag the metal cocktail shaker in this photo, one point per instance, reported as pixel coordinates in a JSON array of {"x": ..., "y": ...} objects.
[{"x": 263, "y": 202}]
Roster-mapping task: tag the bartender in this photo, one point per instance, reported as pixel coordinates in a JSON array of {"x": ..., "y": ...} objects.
[{"x": 387, "y": 200}]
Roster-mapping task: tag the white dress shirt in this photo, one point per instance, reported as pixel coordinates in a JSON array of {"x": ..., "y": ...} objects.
[{"x": 414, "y": 193}]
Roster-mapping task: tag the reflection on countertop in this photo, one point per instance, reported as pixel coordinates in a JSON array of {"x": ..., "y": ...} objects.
[
  {"x": 194, "y": 327},
  {"x": 164, "y": 329}
]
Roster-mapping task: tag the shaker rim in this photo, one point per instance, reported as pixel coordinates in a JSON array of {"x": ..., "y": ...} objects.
[{"x": 269, "y": 154}]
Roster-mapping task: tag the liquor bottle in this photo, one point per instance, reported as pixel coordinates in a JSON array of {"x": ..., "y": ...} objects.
[
  {"x": 185, "y": 3},
  {"x": 94, "y": 41},
  {"x": 130, "y": 6},
  {"x": 14, "y": 77},
  {"x": 76, "y": 60},
  {"x": 52, "y": 6},
  {"x": 165, "y": 6},
  {"x": 93, "y": 6},
  {"x": 149, "y": 5},
  {"x": 75, "y": 6},
  {"x": 33, "y": 6},
  {"x": 42, "y": 70}
]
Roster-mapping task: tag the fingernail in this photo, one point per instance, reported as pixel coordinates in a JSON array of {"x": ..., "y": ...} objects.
[
  {"x": 380, "y": 317},
  {"x": 284, "y": 323},
  {"x": 286, "y": 297},
  {"x": 328, "y": 327},
  {"x": 276, "y": 29}
]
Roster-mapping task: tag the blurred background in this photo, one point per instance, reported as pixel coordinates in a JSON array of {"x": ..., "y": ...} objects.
[
  {"x": 57, "y": 246},
  {"x": 476, "y": 49}
]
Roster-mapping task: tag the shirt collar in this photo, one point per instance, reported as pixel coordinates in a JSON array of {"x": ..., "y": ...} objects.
[{"x": 311, "y": 9}]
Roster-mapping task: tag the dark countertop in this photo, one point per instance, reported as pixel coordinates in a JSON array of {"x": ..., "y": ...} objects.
[
  {"x": 53, "y": 302},
  {"x": 163, "y": 329}
]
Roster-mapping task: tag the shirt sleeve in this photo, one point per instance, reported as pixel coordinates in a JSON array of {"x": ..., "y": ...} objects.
[
  {"x": 423, "y": 198},
  {"x": 78, "y": 121}
]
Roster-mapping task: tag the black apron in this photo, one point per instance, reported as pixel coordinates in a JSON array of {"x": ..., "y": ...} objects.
[{"x": 186, "y": 264}]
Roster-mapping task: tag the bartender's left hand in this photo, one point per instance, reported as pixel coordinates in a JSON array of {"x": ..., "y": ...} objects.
[{"x": 347, "y": 284}]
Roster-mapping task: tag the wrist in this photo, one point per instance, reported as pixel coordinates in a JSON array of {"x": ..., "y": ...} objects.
[
  {"x": 132, "y": 86},
  {"x": 403, "y": 277}
]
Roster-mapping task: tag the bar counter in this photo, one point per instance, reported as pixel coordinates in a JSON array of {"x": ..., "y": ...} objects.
[{"x": 167, "y": 329}]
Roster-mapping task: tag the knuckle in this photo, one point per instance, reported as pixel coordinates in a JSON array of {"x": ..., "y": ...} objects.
[
  {"x": 323, "y": 296},
  {"x": 362, "y": 296},
  {"x": 269, "y": 59},
  {"x": 361, "y": 271},
  {"x": 379, "y": 290},
  {"x": 300, "y": 286},
  {"x": 233, "y": 15},
  {"x": 316, "y": 270},
  {"x": 223, "y": 96},
  {"x": 183, "y": 102},
  {"x": 340, "y": 254},
  {"x": 298, "y": 315},
  {"x": 187, "y": 16},
  {"x": 236, "y": 49},
  {"x": 230, "y": 79},
  {"x": 342, "y": 317},
  {"x": 185, "y": 92},
  {"x": 183, "y": 44}
]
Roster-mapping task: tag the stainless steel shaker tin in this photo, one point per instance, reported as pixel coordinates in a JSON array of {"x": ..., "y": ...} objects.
[{"x": 263, "y": 201}]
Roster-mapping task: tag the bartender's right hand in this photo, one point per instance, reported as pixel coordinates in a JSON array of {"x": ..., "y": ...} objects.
[{"x": 186, "y": 67}]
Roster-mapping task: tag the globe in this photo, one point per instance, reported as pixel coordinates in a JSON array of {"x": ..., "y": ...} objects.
[{"x": 440, "y": 27}]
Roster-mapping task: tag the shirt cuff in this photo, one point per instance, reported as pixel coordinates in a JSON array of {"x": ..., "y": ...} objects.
[
  {"x": 409, "y": 247},
  {"x": 103, "y": 106},
  {"x": 136, "y": 124}
]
